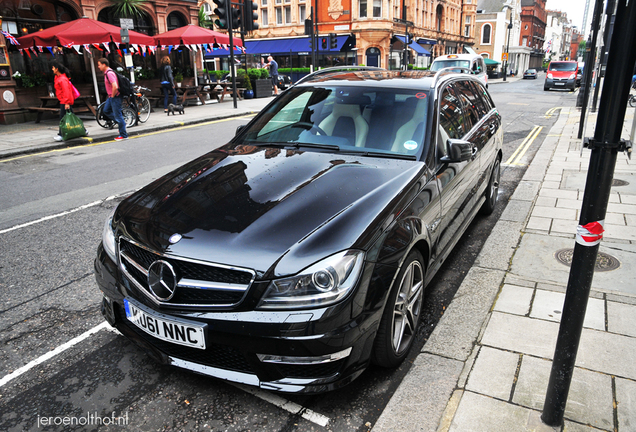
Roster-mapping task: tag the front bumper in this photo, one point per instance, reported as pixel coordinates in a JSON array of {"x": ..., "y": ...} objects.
[
  {"x": 309, "y": 351},
  {"x": 556, "y": 83}
]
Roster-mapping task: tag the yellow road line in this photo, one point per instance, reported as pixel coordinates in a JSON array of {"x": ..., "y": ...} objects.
[
  {"x": 523, "y": 148},
  {"x": 92, "y": 144},
  {"x": 551, "y": 111}
]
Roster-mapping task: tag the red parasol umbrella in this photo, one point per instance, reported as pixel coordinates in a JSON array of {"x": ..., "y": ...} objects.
[
  {"x": 193, "y": 35},
  {"x": 79, "y": 32}
]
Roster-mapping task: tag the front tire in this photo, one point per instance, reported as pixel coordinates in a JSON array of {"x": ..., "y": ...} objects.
[
  {"x": 402, "y": 314},
  {"x": 492, "y": 191},
  {"x": 632, "y": 101},
  {"x": 144, "y": 109}
]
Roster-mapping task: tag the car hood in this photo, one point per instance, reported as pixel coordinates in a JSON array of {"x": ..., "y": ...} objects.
[{"x": 272, "y": 210}]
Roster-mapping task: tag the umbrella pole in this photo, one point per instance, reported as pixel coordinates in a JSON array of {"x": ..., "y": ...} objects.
[
  {"x": 90, "y": 58},
  {"x": 194, "y": 60}
]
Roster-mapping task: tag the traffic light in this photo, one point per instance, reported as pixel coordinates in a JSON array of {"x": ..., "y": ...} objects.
[
  {"x": 409, "y": 38},
  {"x": 323, "y": 42},
  {"x": 221, "y": 12},
  {"x": 311, "y": 43},
  {"x": 236, "y": 17},
  {"x": 250, "y": 16},
  {"x": 309, "y": 27},
  {"x": 333, "y": 41}
]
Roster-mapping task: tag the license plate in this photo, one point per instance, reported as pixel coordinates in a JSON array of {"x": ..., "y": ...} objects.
[
  {"x": 164, "y": 327},
  {"x": 556, "y": 83}
]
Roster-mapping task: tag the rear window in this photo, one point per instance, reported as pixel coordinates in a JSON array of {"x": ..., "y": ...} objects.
[
  {"x": 441, "y": 64},
  {"x": 563, "y": 66}
]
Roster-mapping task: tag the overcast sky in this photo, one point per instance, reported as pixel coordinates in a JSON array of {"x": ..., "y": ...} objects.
[{"x": 574, "y": 9}]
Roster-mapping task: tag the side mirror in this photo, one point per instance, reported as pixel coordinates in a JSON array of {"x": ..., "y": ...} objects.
[
  {"x": 239, "y": 129},
  {"x": 458, "y": 151}
]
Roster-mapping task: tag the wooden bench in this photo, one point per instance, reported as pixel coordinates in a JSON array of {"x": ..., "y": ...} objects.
[{"x": 42, "y": 110}]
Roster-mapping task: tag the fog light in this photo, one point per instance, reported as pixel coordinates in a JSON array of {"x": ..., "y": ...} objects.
[{"x": 293, "y": 360}]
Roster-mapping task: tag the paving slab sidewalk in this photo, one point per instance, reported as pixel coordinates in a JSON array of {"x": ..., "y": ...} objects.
[{"x": 486, "y": 366}]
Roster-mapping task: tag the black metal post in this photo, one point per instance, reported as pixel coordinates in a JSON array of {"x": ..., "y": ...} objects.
[
  {"x": 609, "y": 11},
  {"x": 505, "y": 68},
  {"x": 604, "y": 146},
  {"x": 405, "y": 54},
  {"x": 589, "y": 65},
  {"x": 316, "y": 37},
  {"x": 230, "y": 32}
]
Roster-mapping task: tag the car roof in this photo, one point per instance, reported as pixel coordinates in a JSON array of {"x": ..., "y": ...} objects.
[
  {"x": 417, "y": 80},
  {"x": 458, "y": 56}
]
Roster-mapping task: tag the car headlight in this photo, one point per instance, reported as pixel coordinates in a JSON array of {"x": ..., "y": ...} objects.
[
  {"x": 321, "y": 284},
  {"x": 550, "y": 76},
  {"x": 572, "y": 76},
  {"x": 108, "y": 237}
]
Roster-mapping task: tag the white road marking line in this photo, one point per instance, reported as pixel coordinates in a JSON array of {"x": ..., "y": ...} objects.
[
  {"x": 49, "y": 355},
  {"x": 288, "y": 406},
  {"x": 64, "y": 213}
]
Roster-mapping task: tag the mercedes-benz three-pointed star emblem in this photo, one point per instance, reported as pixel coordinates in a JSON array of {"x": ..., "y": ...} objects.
[{"x": 162, "y": 280}]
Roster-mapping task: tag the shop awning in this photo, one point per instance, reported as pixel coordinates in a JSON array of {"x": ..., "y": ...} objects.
[
  {"x": 284, "y": 46},
  {"x": 420, "y": 50},
  {"x": 490, "y": 62}
]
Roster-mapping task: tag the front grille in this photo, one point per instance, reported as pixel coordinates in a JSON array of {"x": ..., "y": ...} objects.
[
  {"x": 214, "y": 355},
  {"x": 199, "y": 284}
]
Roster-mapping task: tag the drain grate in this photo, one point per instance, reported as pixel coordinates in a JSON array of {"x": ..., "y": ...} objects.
[
  {"x": 604, "y": 262},
  {"x": 619, "y": 182}
]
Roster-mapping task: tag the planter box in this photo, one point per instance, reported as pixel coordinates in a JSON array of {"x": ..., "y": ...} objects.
[{"x": 263, "y": 88}]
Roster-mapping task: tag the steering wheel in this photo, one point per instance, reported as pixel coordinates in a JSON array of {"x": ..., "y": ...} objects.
[{"x": 310, "y": 126}]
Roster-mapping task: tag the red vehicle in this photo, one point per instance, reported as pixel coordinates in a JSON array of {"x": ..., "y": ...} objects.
[{"x": 561, "y": 75}]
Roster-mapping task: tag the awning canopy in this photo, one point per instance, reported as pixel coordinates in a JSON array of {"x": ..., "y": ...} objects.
[
  {"x": 194, "y": 35},
  {"x": 283, "y": 46},
  {"x": 490, "y": 62},
  {"x": 420, "y": 50}
]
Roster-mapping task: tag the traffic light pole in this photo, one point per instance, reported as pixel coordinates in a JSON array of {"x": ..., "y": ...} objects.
[{"x": 230, "y": 31}]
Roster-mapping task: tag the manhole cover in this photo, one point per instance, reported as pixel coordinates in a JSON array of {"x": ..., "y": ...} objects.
[
  {"x": 604, "y": 262},
  {"x": 619, "y": 182}
]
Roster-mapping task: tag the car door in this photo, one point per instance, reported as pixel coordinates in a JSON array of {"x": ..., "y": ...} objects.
[
  {"x": 489, "y": 127},
  {"x": 457, "y": 181}
]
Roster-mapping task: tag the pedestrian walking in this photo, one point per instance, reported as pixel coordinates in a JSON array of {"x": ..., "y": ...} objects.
[
  {"x": 112, "y": 106},
  {"x": 167, "y": 82},
  {"x": 273, "y": 72},
  {"x": 64, "y": 92}
]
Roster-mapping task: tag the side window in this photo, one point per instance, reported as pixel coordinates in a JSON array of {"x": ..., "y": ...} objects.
[
  {"x": 451, "y": 117},
  {"x": 484, "y": 97},
  {"x": 467, "y": 96}
]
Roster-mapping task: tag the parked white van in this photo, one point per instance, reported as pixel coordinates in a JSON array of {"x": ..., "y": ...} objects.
[{"x": 474, "y": 62}]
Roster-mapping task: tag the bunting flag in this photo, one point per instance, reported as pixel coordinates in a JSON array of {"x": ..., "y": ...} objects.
[
  {"x": 169, "y": 49},
  {"x": 107, "y": 47},
  {"x": 117, "y": 45},
  {"x": 41, "y": 49},
  {"x": 96, "y": 46},
  {"x": 120, "y": 53},
  {"x": 33, "y": 50},
  {"x": 50, "y": 49},
  {"x": 77, "y": 49},
  {"x": 135, "y": 46},
  {"x": 27, "y": 51},
  {"x": 87, "y": 47},
  {"x": 10, "y": 38},
  {"x": 163, "y": 47},
  {"x": 193, "y": 47},
  {"x": 69, "y": 45}
]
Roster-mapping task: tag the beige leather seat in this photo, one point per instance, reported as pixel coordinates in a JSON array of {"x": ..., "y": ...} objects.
[
  {"x": 346, "y": 121},
  {"x": 411, "y": 130}
]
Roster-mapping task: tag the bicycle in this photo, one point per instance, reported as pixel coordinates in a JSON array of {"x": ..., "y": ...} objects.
[
  {"x": 632, "y": 98},
  {"x": 140, "y": 103},
  {"x": 130, "y": 117},
  {"x": 135, "y": 108}
]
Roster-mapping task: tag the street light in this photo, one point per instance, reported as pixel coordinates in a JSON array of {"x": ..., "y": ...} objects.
[{"x": 507, "y": 47}]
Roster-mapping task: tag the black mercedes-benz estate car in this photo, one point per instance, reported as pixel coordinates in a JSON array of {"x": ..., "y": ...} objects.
[{"x": 298, "y": 253}]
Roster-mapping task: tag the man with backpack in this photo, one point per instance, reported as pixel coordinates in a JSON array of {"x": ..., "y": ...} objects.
[{"x": 112, "y": 106}]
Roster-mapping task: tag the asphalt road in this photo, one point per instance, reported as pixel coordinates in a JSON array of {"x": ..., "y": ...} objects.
[{"x": 59, "y": 360}]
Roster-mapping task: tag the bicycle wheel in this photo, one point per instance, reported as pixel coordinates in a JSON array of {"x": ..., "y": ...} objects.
[
  {"x": 102, "y": 120},
  {"x": 130, "y": 116},
  {"x": 632, "y": 101},
  {"x": 144, "y": 109}
]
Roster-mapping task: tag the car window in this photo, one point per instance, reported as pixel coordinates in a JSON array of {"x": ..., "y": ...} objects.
[
  {"x": 468, "y": 98},
  {"x": 441, "y": 64},
  {"x": 355, "y": 118},
  {"x": 478, "y": 102},
  {"x": 563, "y": 66},
  {"x": 451, "y": 117},
  {"x": 484, "y": 97}
]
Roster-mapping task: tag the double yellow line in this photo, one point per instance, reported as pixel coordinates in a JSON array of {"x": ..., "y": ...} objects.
[
  {"x": 551, "y": 111},
  {"x": 515, "y": 159}
]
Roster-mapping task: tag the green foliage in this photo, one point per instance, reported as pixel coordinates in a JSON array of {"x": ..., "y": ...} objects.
[
  {"x": 37, "y": 79},
  {"x": 178, "y": 77},
  {"x": 295, "y": 70},
  {"x": 129, "y": 8},
  {"x": 219, "y": 74},
  {"x": 240, "y": 73},
  {"x": 204, "y": 20},
  {"x": 145, "y": 74},
  {"x": 264, "y": 73},
  {"x": 248, "y": 84},
  {"x": 254, "y": 74}
]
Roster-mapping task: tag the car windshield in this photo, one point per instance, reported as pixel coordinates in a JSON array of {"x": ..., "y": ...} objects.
[
  {"x": 563, "y": 66},
  {"x": 441, "y": 64},
  {"x": 531, "y": 71},
  {"x": 372, "y": 120}
]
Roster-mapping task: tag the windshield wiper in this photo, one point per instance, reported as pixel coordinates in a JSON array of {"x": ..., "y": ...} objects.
[
  {"x": 383, "y": 155},
  {"x": 296, "y": 145}
]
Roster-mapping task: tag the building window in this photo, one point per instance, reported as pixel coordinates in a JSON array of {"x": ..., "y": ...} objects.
[
  {"x": 263, "y": 2},
  {"x": 279, "y": 1},
  {"x": 279, "y": 15},
  {"x": 264, "y": 17},
  {"x": 466, "y": 31},
  {"x": 302, "y": 13},
  {"x": 363, "y": 8},
  {"x": 377, "y": 8},
  {"x": 288, "y": 19},
  {"x": 525, "y": 41},
  {"x": 485, "y": 34},
  {"x": 467, "y": 19}
]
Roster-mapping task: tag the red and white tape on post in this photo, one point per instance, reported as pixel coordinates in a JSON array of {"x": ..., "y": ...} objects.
[{"x": 590, "y": 234}]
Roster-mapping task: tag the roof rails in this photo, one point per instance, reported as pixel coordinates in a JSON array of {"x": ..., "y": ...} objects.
[
  {"x": 337, "y": 69},
  {"x": 450, "y": 70}
]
